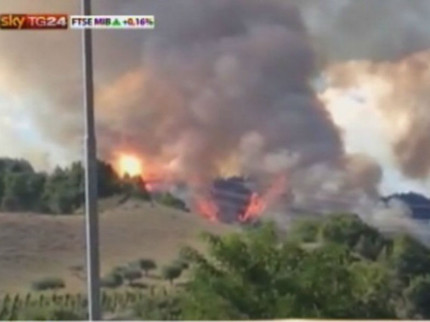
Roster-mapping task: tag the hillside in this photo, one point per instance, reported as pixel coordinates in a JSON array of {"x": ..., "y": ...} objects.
[
  {"x": 34, "y": 246},
  {"x": 419, "y": 204}
]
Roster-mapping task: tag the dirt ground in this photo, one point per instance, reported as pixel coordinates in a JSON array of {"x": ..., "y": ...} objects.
[{"x": 36, "y": 246}]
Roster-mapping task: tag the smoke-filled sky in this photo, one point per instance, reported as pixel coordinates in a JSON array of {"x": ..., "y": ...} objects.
[{"x": 333, "y": 93}]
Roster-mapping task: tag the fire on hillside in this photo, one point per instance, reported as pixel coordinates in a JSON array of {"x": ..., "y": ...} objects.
[
  {"x": 235, "y": 200},
  {"x": 232, "y": 199}
]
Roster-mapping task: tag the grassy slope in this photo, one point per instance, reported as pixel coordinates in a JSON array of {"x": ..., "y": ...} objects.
[{"x": 34, "y": 246}]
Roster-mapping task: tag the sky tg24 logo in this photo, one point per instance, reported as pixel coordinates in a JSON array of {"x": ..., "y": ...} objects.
[{"x": 33, "y": 21}]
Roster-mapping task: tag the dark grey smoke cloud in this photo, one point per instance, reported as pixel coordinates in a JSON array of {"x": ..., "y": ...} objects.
[
  {"x": 217, "y": 82},
  {"x": 219, "y": 78},
  {"x": 217, "y": 86},
  {"x": 367, "y": 29},
  {"x": 190, "y": 36}
]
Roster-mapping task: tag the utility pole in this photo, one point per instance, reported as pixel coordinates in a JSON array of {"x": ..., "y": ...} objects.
[{"x": 91, "y": 196}]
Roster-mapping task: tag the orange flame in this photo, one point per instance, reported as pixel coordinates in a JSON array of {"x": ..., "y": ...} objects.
[
  {"x": 257, "y": 205},
  {"x": 207, "y": 208},
  {"x": 129, "y": 164}
]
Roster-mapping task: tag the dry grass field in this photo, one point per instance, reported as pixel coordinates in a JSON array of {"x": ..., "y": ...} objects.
[{"x": 36, "y": 246}]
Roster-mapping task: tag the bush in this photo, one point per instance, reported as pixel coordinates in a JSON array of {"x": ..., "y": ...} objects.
[
  {"x": 131, "y": 274},
  {"x": 50, "y": 314},
  {"x": 181, "y": 263},
  {"x": 158, "y": 308},
  {"x": 409, "y": 258},
  {"x": 135, "y": 187},
  {"x": 147, "y": 264},
  {"x": 305, "y": 230},
  {"x": 112, "y": 280},
  {"x": 169, "y": 200},
  {"x": 119, "y": 270},
  {"x": 10, "y": 203},
  {"x": 347, "y": 229},
  {"x": 48, "y": 283},
  {"x": 61, "y": 314},
  {"x": 171, "y": 272},
  {"x": 418, "y": 296},
  {"x": 138, "y": 285}
]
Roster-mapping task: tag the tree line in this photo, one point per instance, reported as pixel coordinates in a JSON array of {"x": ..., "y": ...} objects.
[{"x": 60, "y": 192}]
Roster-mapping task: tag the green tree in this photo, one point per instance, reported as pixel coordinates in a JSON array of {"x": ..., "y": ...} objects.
[
  {"x": 59, "y": 195},
  {"x": 35, "y": 186},
  {"x": 418, "y": 296},
  {"x": 8, "y": 165},
  {"x": 135, "y": 187},
  {"x": 376, "y": 287},
  {"x": 371, "y": 248},
  {"x": 256, "y": 275},
  {"x": 112, "y": 280},
  {"x": 147, "y": 265},
  {"x": 347, "y": 229},
  {"x": 171, "y": 272},
  {"x": 305, "y": 230},
  {"x": 131, "y": 275},
  {"x": 22, "y": 190},
  {"x": 12, "y": 166},
  {"x": 15, "y": 188},
  {"x": 108, "y": 180},
  {"x": 410, "y": 258},
  {"x": 182, "y": 263},
  {"x": 48, "y": 283}
]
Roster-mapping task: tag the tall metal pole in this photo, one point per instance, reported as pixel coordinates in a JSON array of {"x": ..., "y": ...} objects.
[{"x": 91, "y": 216}]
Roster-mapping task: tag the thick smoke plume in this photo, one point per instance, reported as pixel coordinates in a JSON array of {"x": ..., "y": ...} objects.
[
  {"x": 394, "y": 217},
  {"x": 226, "y": 90},
  {"x": 367, "y": 30},
  {"x": 223, "y": 87},
  {"x": 230, "y": 94}
]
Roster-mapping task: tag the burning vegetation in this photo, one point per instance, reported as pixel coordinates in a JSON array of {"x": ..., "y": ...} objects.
[
  {"x": 129, "y": 164},
  {"x": 235, "y": 199},
  {"x": 243, "y": 92},
  {"x": 230, "y": 199}
]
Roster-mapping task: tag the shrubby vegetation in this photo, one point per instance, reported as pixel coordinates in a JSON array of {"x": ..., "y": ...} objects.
[
  {"x": 333, "y": 267},
  {"x": 132, "y": 274},
  {"x": 146, "y": 264},
  {"x": 134, "y": 187},
  {"x": 64, "y": 306},
  {"x": 169, "y": 200},
  {"x": 171, "y": 272},
  {"x": 346, "y": 270},
  {"x": 24, "y": 189},
  {"x": 158, "y": 308},
  {"x": 337, "y": 267},
  {"x": 62, "y": 191},
  {"x": 48, "y": 283},
  {"x": 50, "y": 314},
  {"x": 112, "y": 280}
]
